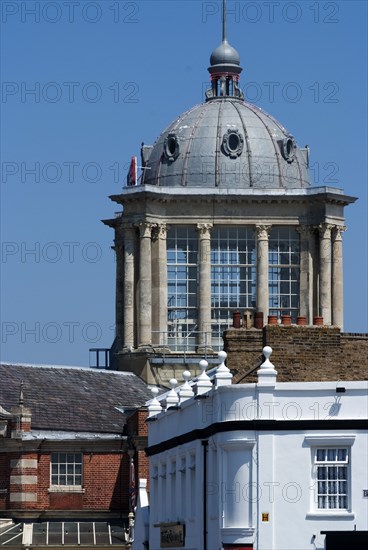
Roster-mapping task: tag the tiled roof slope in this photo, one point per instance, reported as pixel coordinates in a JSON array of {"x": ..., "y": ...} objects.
[{"x": 72, "y": 398}]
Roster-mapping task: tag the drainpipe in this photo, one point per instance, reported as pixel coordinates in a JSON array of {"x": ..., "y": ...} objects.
[{"x": 205, "y": 445}]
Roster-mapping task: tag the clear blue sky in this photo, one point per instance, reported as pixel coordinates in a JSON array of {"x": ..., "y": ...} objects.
[{"x": 108, "y": 75}]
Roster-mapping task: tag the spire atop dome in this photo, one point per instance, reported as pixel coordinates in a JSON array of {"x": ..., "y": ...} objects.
[
  {"x": 225, "y": 67},
  {"x": 224, "y": 37}
]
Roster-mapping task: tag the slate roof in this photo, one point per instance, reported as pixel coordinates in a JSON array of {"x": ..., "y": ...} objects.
[{"x": 72, "y": 398}]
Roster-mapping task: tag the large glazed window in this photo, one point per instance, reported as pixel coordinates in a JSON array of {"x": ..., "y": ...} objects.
[
  {"x": 284, "y": 272},
  {"x": 182, "y": 274},
  {"x": 233, "y": 276}
]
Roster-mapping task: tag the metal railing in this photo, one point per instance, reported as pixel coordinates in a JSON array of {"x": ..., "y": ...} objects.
[
  {"x": 182, "y": 341},
  {"x": 99, "y": 358}
]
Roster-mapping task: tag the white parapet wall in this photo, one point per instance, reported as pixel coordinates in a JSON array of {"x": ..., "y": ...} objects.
[{"x": 268, "y": 464}]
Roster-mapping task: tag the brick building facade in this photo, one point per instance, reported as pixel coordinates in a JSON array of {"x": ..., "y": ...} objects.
[{"x": 68, "y": 437}]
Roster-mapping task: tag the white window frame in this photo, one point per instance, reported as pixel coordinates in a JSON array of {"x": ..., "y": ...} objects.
[
  {"x": 326, "y": 463},
  {"x": 57, "y": 487},
  {"x": 338, "y": 441}
]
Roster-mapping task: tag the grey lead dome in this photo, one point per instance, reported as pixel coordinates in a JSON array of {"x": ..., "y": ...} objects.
[
  {"x": 227, "y": 143},
  {"x": 225, "y": 54}
]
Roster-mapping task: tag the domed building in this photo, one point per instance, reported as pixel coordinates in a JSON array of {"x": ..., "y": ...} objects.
[{"x": 223, "y": 220}]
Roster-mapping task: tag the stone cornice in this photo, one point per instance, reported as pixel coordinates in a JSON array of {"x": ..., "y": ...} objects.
[
  {"x": 164, "y": 194},
  {"x": 114, "y": 444}
]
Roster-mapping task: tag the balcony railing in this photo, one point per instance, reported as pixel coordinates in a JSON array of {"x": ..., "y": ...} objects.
[{"x": 186, "y": 341}]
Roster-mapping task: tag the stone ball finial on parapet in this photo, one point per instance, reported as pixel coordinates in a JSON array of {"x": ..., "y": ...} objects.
[
  {"x": 154, "y": 407},
  {"x": 186, "y": 391},
  {"x": 172, "y": 399},
  {"x": 204, "y": 383},
  {"x": 223, "y": 375},
  {"x": 267, "y": 373}
]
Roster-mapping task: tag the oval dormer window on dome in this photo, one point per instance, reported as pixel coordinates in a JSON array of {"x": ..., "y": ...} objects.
[
  {"x": 288, "y": 147},
  {"x": 171, "y": 147},
  {"x": 233, "y": 143}
]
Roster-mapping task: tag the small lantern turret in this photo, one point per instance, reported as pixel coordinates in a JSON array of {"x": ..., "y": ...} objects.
[{"x": 225, "y": 68}]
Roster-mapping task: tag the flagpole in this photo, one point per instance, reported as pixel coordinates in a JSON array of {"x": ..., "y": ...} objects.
[{"x": 132, "y": 496}]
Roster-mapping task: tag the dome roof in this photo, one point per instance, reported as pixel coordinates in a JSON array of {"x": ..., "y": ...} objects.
[
  {"x": 227, "y": 143},
  {"x": 225, "y": 55}
]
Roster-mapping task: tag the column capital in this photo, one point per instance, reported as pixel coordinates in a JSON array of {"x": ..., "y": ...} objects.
[
  {"x": 263, "y": 232},
  {"x": 337, "y": 232},
  {"x": 324, "y": 230},
  {"x": 305, "y": 231},
  {"x": 204, "y": 229},
  {"x": 127, "y": 230},
  {"x": 145, "y": 229},
  {"x": 160, "y": 231}
]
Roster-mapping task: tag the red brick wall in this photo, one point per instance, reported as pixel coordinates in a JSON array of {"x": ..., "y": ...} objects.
[
  {"x": 138, "y": 432},
  {"x": 137, "y": 424},
  {"x": 105, "y": 483},
  {"x": 43, "y": 496},
  {"x": 142, "y": 428},
  {"x": 106, "y": 479},
  {"x": 65, "y": 501}
]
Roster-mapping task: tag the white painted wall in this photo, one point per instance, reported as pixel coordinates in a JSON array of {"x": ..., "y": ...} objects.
[{"x": 253, "y": 472}]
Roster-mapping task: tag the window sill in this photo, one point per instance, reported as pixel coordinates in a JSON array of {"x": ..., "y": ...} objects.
[
  {"x": 330, "y": 514},
  {"x": 66, "y": 489}
]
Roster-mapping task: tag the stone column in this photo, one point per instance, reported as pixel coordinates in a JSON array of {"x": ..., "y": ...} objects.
[
  {"x": 306, "y": 273},
  {"x": 119, "y": 301},
  {"x": 337, "y": 277},
  {"x": 159, "y": 285},
  {"x": 129, "y": 254},
  {"x": 262, "y": 232},
  {"x": 325, "y": 272},
  {"x": 145, "y": 286},
  {"x": 314, "y": 249},
  {"x": 204, "y": 325}
]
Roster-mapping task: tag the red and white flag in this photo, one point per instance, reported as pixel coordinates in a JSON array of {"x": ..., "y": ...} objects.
[
  {"x": 132, "y": 177},
  {"x": 132, "y": 492}
]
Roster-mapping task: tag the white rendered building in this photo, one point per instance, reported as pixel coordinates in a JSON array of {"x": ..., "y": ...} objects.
[{"x": 266, "y": 465}]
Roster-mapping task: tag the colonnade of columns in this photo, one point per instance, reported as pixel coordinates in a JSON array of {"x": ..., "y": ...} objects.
[{"x": 146, "y": 291}]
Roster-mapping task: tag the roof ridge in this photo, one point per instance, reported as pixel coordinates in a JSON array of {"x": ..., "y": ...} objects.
[{"x": 71, "y": 367}]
